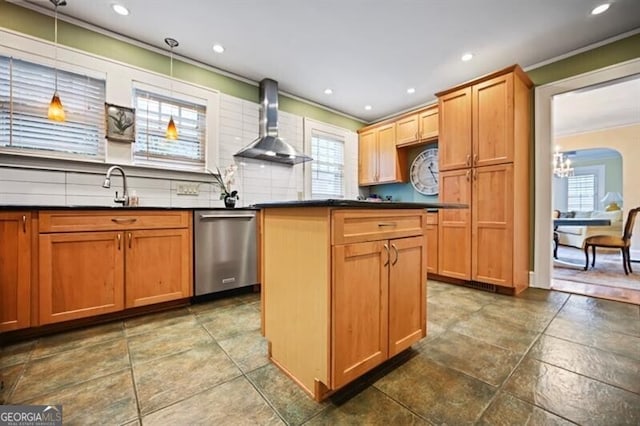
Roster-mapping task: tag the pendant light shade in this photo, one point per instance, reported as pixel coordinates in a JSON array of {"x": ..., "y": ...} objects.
[
  {"x": 56, "y": 110},
  {"x": 172, "y": 130}
]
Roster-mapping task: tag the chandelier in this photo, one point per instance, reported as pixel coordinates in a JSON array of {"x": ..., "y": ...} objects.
[{"x": 561, "y": 165}]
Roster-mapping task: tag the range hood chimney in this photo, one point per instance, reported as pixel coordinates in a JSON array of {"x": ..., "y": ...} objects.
[{"x": 269, "y": 146}]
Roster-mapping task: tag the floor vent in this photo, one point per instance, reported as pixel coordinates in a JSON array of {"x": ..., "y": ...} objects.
[{"x": 481, "y": 286}]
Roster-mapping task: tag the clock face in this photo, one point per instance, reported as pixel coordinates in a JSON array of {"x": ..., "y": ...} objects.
[{"x": 425, "y": 173}]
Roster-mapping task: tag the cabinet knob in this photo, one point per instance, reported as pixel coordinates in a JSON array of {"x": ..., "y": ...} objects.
[
  {"x": 24, "y": 223},
  {"x": 468, "y": 160},
  {"x": 130, "y": 238},
  {"x": 475, "y": 159},
  {"x": 119, "y": 237},
  {"x": 468, "y": 175}
]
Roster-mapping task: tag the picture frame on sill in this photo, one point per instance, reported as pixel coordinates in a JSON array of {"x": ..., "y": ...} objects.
[{"x": 120, "y": 123}]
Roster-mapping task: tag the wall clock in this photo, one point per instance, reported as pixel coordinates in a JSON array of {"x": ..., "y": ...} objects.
[{"x": 425, "y": 173}]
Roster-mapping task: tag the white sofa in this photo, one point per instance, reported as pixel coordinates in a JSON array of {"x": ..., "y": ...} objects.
[{"x": 575, "y": 235}]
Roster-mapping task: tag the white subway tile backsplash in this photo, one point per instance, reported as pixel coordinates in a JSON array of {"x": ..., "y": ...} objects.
[
  {"x": 29, "y": 175},
  {"x": 32, "y": 199}
]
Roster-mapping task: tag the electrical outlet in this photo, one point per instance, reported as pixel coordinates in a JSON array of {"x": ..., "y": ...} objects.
[{"x": 187, "y": 189}]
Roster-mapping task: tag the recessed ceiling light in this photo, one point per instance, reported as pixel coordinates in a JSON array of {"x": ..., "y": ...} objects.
[
  {"x": 120, "y": 9},
  {"x": 467, "y": 57},
  {"x": 328, "y": 91},
  {"x": 411, "y": 90},
  {"x": 600, "y": 9},
  {"x": 368, "y": 107},
  {"x": 218, "y": 48}
]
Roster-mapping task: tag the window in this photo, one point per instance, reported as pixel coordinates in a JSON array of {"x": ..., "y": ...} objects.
[
  {"x": 153, "y": 112},
  {"x": 26, "y": 89},
  {"x": 581, "y": 192},
  {"x": 327, "y": 167}
]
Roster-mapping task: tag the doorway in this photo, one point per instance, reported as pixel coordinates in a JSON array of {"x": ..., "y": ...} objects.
[{"x": 545, "y": 117}]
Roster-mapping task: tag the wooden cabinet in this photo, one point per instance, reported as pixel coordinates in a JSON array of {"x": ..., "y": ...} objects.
[
  {"x": 484, "y": 162},
  {"x": 363, "y": 298},
  {"x": 418, "y": 127},
  {"x": 15, "y": 270},
  {"x": 136, "y": 258},
  {"x": 158, "y": 266},
  {"x": 378, "y": 159},
  {"x": 431, "y": 230}
]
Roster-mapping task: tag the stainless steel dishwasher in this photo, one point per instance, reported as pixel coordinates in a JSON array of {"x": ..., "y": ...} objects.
[{"x": 224, "y": 249}]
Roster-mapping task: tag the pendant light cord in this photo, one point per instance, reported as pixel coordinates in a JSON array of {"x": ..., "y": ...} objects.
[{"x": 55, "y": 47}]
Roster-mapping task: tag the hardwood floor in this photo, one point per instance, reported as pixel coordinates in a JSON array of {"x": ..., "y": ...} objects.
[
  {"x": 605, "y": 281},
  {"x": 599, "y": 291}
]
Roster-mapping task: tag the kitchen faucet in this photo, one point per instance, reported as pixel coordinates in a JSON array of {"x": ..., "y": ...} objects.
[{"x": 124, "y": 200}]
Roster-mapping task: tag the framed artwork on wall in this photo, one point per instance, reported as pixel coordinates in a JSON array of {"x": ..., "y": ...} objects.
[{"x": 120, "y": 123}]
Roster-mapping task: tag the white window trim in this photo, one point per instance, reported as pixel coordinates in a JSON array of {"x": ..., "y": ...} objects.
[
  {"x": 119, "y": 90},
  {"x": 350, "y": 139}
]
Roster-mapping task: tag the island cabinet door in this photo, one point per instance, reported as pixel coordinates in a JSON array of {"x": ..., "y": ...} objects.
[
  {"x": 407, "y": 292},
  {"x": 359, "y": 309},
  {"x": 81, "y": 275}
]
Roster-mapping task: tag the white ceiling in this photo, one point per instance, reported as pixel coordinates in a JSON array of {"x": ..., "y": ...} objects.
[
  {"x": 614, "y": 104},
  {"x": 366, "y": 51}
]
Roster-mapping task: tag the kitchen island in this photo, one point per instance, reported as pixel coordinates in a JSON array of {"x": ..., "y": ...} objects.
[{"x": 344, "y": 286}]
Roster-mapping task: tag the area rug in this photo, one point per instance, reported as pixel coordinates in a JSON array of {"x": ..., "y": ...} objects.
[{"x": 607, "y": 272}]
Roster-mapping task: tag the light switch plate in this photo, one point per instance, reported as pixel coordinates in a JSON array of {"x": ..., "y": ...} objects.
[{"x": 187, "y": 189}]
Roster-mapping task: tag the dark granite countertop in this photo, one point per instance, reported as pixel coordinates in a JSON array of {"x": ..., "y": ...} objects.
[
  {"x": 128, "y": 208},
  {"x": 360, "y": 204}
]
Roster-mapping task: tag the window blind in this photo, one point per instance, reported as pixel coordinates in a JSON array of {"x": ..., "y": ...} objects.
[
  {"x": 327, "y": 167},
  {"x": 25, "y": 92},
  {"x": 153, "y": 112},
  {"x": 581, "y": 192}
]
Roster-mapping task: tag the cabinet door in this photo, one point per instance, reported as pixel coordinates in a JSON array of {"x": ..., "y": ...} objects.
[
  {"x": 428, "y": 124},
  {"x": 431, "y": 231},
  {"x": 368, "y": 158},
  {"x": 158, "y": 266},
  {"x": 492, "y": 225},
  {"x": 407, "y": 292},
  {"x": 493, "y": 121},
  {"x": 454, "y": 141},
  {"x": 407, "y": 130},
  {"x": 454, "y": 225},
  {"x": 81, "y": 275},
  {"x": 15, "y": 270},
  {"x": 388, "y": 167},
  {"x": 359, "y": 313}
]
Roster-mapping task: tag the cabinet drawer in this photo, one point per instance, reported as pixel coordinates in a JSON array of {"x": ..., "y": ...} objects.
[
  {"x": 432, "y": 218},
  {"x": 95, "y": 220},
  {"x": 353, "y": 226}
]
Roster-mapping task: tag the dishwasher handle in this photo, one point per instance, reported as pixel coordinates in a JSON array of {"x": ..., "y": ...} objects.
[{"x": 226, "y": 216}]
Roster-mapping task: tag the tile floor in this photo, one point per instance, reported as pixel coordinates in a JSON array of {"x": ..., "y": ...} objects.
[{"x": 544, "y": 357}]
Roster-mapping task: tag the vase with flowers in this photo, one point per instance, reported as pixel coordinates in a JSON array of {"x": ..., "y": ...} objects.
[{"x": 224, "y": 180}]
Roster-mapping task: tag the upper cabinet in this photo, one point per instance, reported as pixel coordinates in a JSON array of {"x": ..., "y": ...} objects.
[
  {"x": 477, "y": 122},
  {"x": 378, "y": 160},
  {"x": 418, "y": 127}
]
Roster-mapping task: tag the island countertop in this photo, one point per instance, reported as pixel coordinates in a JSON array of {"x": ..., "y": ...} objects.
[{"x": 360, "y": 204}]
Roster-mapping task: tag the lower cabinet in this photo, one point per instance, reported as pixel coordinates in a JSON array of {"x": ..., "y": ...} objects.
[
  {"x": 432, "y": 242},
  {"x": 333, "y": 316},
  {"x": 86, "y": 273},
  {"x": 15, "y": 270}
]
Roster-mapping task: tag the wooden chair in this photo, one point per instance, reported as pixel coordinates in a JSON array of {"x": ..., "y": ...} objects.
[{"x": 609, "y": 241}]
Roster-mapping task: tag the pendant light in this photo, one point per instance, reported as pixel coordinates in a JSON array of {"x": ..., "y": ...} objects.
[
  {"x": 172, "y": 131},
  {"x": 56, "y": 111}
]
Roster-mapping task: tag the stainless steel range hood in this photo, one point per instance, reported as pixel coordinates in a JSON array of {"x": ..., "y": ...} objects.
[{"x": 269, "y": 146}]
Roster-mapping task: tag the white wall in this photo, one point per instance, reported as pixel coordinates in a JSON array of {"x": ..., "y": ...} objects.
[{"x": 232, "y": 123}]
